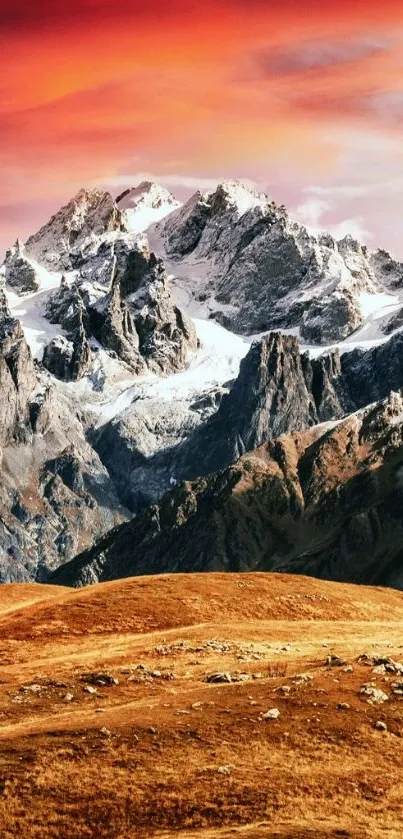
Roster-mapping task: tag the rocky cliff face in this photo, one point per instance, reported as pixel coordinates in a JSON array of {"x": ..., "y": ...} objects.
[
  {"x": 267, "y": 271},
  {"x": 45, "y": 515},
  {"x": 17, "y": 378},
  {"x": 55, "y": 495},
  {"x": 325, "y": 502}
]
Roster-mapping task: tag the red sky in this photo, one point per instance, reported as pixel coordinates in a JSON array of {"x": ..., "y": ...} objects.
[{"x": 305, "y": 98}]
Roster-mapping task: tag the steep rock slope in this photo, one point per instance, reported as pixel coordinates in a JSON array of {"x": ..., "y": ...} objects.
[
  {"x": 325, "y": 502},
  {"x": 265, "y": 270},
  {"x": 278, "y": 390},
  {"x": 54, "y": 492},
  {"x": 17, "y": 377}
]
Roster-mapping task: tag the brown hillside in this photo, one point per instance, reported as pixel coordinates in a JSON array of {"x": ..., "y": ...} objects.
[{"x": 162, "y": 752}]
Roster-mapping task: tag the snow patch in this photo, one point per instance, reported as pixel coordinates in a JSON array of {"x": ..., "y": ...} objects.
[{"x": 380, "y": 303}]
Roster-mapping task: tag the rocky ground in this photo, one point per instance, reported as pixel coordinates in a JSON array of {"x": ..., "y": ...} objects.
[{"x": 201, "y": 706}]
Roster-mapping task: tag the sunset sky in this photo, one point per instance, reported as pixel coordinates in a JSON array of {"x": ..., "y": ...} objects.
[{"x": 303, "y": 97}]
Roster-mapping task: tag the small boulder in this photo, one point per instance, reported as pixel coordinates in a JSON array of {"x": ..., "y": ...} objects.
[
  {"x": 374, "y": 696},
  {"x": 271, "y": 714},
  {"x": 216, "y": 678}
]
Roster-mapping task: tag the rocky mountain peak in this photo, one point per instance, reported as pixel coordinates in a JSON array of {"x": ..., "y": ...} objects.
[
  {"x": 87, "y": 216},
  {"x": 235, "y": 195},
  {"x": 147, "y": 193}
]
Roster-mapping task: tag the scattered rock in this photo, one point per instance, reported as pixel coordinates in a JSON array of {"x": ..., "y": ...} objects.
[
  {"x": 90, "y": 689},
  {"x": 343, "y": 706},
  {"x": 397, "y": 688},
  {"x": 31, "y": 688},
  {"x": 302, "y": 678},
  {"x": 216, "y": 678},
  {"x": 105, "y": 732},
  {"x": 382, "y": 664},
  {"x": 225, "y": 770},
  {"x": 68, "y": 697},
  {"x": 381, "y": 726},
  {"x": 335, "y": 661},
  {"x": 271, "y": 714},
  {"x": 100, "y": 679},
  {"x": 374, "y": 695}
]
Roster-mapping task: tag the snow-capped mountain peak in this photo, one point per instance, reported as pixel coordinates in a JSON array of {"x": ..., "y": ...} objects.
[
  {"x": 145, "y": 204},
  {"x": 89, "y": 214},
  {"x": 237, "y": 195}
]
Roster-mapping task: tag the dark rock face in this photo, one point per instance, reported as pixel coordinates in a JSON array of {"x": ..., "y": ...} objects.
[
  {"x": 269, "y": 398},
  {"x": 67, "y": 360},
  {"x": 194, "y": 218},
  {"x": 325, "y": 502},
  {"x": 331, "y": 319},
  {"x": 369, "y": 375},
  {"x": 19, "y": 272}
]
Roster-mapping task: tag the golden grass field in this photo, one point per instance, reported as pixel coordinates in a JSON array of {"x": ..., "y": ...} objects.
[{"x": 163, "y": 752}]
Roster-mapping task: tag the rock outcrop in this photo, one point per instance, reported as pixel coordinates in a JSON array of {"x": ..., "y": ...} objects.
[
  {"x": 19, "y": 272},
  {"x": 135, "y": 320}
]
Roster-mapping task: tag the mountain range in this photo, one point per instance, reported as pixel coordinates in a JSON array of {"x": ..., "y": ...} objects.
[{"x": 207, "y": 386}]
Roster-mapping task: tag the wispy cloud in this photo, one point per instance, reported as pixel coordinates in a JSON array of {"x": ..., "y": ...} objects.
[
  {"x": 315, "y": 55},
  {"x": 315, "y": 213}
]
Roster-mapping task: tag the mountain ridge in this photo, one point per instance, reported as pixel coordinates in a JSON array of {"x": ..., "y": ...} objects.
[{"x": 146, "y": 398}]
